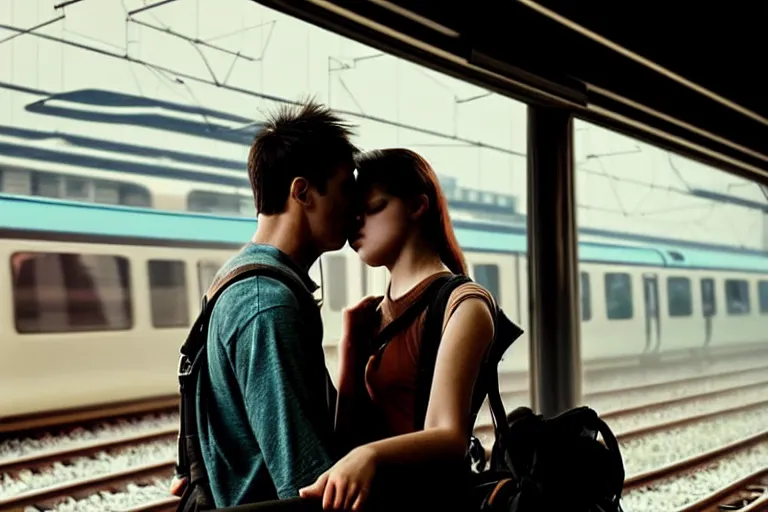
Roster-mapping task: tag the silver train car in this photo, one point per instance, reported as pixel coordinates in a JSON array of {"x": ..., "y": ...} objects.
[{"x": 97, "y": 299}]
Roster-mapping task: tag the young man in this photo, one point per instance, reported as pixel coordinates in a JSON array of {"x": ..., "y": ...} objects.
[{"x": 265, "y": 428}]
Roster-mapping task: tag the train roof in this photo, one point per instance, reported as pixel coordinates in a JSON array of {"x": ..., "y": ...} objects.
[{"x": 45, "y": 215}]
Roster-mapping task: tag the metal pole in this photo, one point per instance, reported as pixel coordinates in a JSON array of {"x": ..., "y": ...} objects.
[{"x": 552, "y": 262}]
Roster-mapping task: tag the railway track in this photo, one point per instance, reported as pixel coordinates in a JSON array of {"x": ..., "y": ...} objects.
[
  {"x": 35, "y": 423},
  {"x": 484, "y": 429},
  {"x": 747, "y": 494},
  {"x": 80, "y": 417},
  {"x": 156, "y": 474},
  {"x": 85, "y": 449},
  {"x": 691, "y": 359},
  {"x": 523, "y": 394},
  {"x": 119, "y": 481},
  {"x": 706, "y": 481},
  {"x": 692, "y": 463},
  {"x": 45, "y": 496},
  {"x": 83, "y": 488}
]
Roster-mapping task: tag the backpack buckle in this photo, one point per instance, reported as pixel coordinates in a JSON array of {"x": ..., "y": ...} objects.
[{"x": 184, "y": 367}]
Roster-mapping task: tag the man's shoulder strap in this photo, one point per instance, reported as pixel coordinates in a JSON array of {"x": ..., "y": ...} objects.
[
  {"x": 250, "y": 270},
  {"x": 293, "y": 282},
  {"x": 197, "y": 336}
]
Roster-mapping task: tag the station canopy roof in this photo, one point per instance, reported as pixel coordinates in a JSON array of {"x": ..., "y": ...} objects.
[{"x": 692, "y": 74}]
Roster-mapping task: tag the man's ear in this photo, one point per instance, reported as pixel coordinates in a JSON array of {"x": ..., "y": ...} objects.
[
  {"x": 419, "y": 206},
  {"x": 300, "y": 191}
]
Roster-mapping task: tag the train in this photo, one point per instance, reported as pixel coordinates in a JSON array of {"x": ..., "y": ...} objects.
[{"x": 97, "y": 299}]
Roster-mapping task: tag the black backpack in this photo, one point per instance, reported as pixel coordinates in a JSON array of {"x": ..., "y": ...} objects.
[
  {"x": 553, "y": 463},
  {"x": 189, "y": 462},
  {"x": 542, "y": 463}
]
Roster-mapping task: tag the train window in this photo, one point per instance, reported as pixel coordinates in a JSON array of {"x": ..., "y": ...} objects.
[
  {"x": 762, "y": 294},
  {"x": 15, "y": 181},
  {"x": 77, "y": 189},
  {"x": 679, "y": 296},
  {"x": 335, "y": 274},
  {"x": 168, "y": 293},
  {"x": 214, "y": 202},
  {"x": 67, "y": 292},
  {"x": 618, "y": 296},
  {"x": 48, "y": 185},
  {"x": 105, "y": 192},
  {"x": 134, "y": 195},
  {"x": 708, "y": 297},
  {"x": 488, "y": 277},
  {"x": 586, "y": 296},
  {"x": 206, "y": 271},
  {"x": 737, "y": 296}
]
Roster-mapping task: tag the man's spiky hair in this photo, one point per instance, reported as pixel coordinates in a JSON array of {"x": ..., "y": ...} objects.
[{"x": 306, "y": 140}]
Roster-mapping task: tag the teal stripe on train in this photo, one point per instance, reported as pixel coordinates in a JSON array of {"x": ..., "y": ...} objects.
[{"x": 53, "y": 215}]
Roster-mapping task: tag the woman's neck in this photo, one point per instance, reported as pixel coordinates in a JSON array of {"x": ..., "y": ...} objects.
[{"x": 414, "y": 264}]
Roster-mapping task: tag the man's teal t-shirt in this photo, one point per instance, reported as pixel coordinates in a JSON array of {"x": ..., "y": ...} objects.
[{"x": 265, "y": 428}]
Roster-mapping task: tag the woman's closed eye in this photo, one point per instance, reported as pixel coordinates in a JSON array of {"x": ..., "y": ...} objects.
[{"x": 375, "y": 207}]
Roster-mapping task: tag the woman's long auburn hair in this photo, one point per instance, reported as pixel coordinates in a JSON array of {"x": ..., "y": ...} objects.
[{"x": 404, "y": 174}]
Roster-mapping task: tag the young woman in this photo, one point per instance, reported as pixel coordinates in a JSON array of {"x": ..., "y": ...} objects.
[{"x": 404, "y": 226}]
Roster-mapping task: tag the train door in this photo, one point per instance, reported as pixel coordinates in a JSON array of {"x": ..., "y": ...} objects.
[
  {"x": 707, "y": 307},
  {"x": 652, "y": 315}
]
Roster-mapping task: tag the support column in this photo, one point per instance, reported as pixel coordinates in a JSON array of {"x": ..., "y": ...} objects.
[{"x": 555, "y": 365}]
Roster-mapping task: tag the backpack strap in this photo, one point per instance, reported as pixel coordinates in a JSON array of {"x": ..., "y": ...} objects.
[
  {"x": 192, "y": 347},
  {"x": 501, "y": 430},
  {"x": 615, "y": 454},
  {"x": 252, "y": 269},
  {"x": 505, "y": 334},
  {"x": 405, "y": 319},
  {"x": 430, "y": 342}
]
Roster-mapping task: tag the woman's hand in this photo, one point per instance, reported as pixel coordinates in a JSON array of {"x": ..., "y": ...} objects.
[
  {"x": 347, "y": 484},
  {"x": 362, "y": 318},
  {"x": 359, "y": 324}
]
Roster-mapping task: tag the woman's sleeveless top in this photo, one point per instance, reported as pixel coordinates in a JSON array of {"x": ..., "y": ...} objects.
[{"x": 391, "y": 383}]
